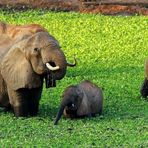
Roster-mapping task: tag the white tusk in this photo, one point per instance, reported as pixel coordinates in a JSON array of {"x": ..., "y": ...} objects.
[
  {"x": 73, "y": 105},
  {"x": 51, "y": 67}
]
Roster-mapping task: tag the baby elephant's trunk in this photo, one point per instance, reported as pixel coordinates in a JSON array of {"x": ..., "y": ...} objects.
[
  {"x": 59, "y": 114},
  {"x": 64, "y": 103}
]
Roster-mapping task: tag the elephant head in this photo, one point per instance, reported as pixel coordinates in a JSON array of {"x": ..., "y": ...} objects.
[
  {"x": 71, "y": 101},
  {"x": 32, "y": 59}
]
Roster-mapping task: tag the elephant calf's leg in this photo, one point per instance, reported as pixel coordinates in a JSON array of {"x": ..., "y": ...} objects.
[{"x": 144, "y": 88}]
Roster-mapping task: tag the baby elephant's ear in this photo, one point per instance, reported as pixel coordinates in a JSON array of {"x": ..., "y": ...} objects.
[{"x": 17, "y": 71}]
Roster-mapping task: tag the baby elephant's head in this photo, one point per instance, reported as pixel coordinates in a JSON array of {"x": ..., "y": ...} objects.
[
  {"x": 71, "y": 100},
  {"x": 70, "y": 111}
]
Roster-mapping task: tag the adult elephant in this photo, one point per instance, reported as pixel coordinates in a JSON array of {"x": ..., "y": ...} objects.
[{"x": 28, "y": 54}]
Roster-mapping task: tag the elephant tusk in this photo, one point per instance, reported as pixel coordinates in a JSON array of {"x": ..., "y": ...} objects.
[
  {"x": 72, "y": 65},
  {"x": 51, "y": 67}
]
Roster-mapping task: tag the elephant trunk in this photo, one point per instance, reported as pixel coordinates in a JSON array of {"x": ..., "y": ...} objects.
[
  {"x": 61, "y": 109},
  {"x": 72, "y": 64},
  {"x": 57, "y": 66},
  {"x": 59, "y": 114}
]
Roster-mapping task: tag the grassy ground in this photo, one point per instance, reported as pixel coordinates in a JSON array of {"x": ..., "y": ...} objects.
[{"x": 111, "y": 52}]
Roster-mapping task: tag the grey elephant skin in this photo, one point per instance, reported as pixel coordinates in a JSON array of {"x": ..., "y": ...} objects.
[
  {"x": 84, "y": 99},
  {"x": 28, "y": 55}
]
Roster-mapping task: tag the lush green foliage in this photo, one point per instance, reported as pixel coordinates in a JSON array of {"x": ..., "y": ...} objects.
[{"x": 111, "y": 52}]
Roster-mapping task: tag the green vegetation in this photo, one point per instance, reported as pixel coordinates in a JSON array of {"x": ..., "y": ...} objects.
[{"x": 111, "y": 52}]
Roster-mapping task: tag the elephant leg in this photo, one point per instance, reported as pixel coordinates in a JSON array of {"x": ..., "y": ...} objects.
[
  {"x": 144, "y": 88},
  {"x": 33, "y": 107},
  {"x": 18, "y": 100},
  {"x": 7, "y": 108},
  {"x": 89, "y": 115},
  {"x": 34, "y": 101},
  {"x": 20, "y": 111}
]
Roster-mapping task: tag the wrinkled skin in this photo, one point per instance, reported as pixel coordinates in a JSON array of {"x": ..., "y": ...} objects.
[
  {"x": 24, "y": 53},
  {"x": 84, "y": 99},
  {"x": 144, "y": 87}
]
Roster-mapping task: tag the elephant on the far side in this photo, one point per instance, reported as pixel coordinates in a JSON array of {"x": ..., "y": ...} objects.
[
  {"x": 28, "y": 55},
  {"x": 144, "y": 87},
  {"x": 84, "y": 99}
]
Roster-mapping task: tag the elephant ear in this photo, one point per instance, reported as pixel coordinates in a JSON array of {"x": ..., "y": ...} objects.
[
  {"x": 83, "y": 106},
  {"x": 17, "y": 71}
]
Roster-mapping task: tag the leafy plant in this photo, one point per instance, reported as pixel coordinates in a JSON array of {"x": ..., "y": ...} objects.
[{"x": 111, "y": 52}]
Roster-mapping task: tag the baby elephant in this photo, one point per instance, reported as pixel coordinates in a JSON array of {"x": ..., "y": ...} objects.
[{"x": 84, "y": 99}]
